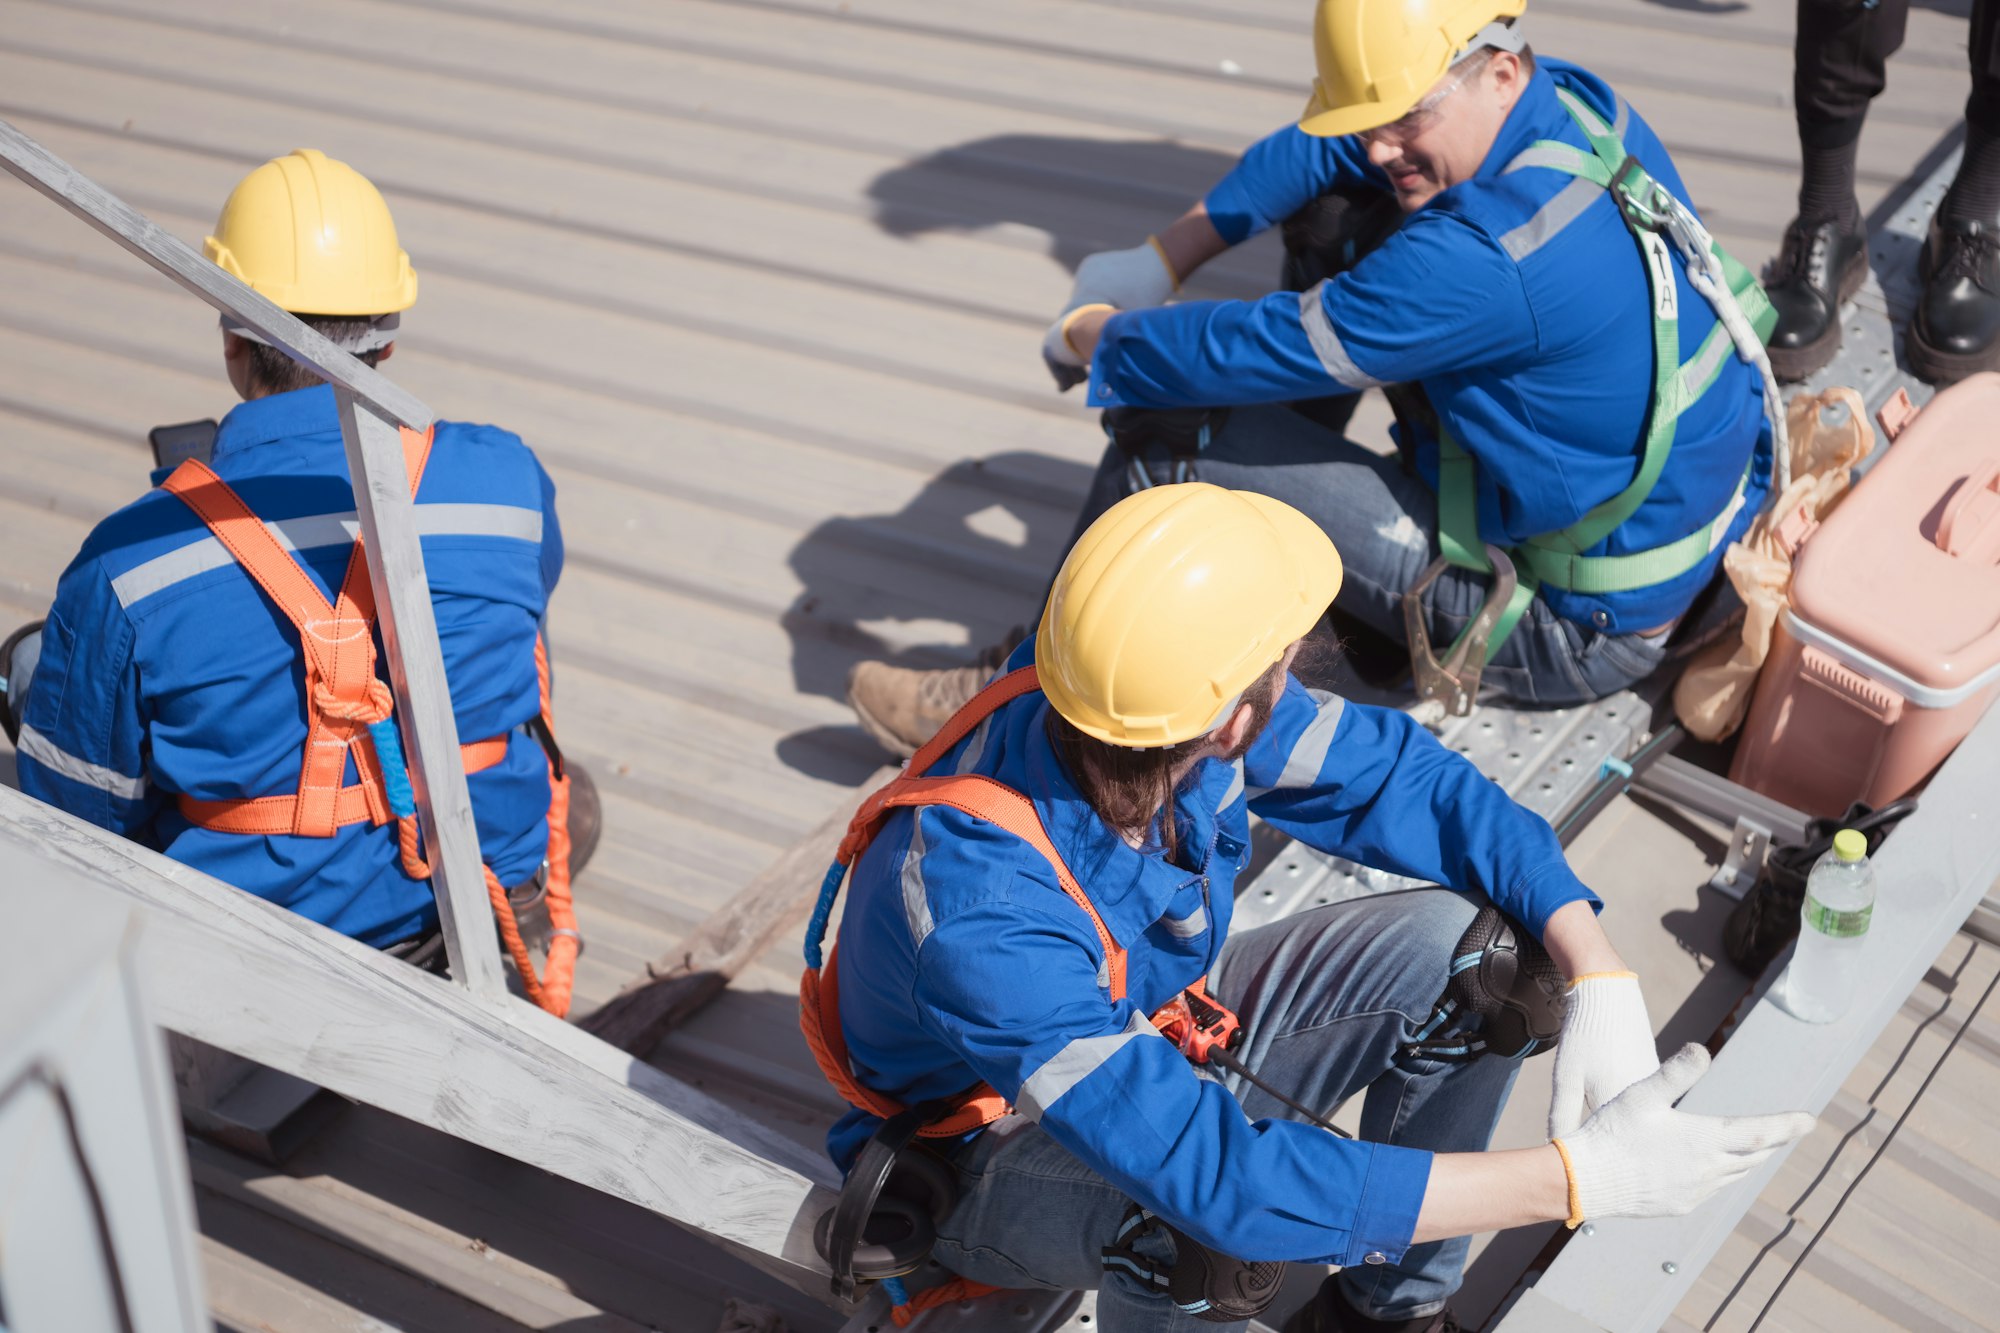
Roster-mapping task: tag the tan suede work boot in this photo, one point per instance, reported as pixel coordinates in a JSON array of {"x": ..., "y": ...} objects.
[{"x": 902, "y": 708}]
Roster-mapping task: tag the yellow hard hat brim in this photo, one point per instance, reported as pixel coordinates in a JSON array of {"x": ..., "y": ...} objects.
[{"x": 1323, "y": 121}]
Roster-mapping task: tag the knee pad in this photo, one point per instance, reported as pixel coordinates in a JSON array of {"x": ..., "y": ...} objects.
[
  {"x": 1501, "y": 975},
  {"x": 1203, "y": 1282}
]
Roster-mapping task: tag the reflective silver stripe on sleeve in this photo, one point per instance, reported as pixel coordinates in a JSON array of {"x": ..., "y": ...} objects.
[
  {"x": 1326, "y": 344},
  {"x": 1567, "y": 205},
  {"x": 1235, "y": 791},
  {"x": 1308, "y": 756},
  {"x": 1186, "y": 927},
  {"x": 1072, "y": 1065},
  {"x": 310, "y": 531},
  {"x": 1622, "y": 118},
  {"x": 916, "y": 899},
  {"x": 46, "y": 753},
  {"x": 975, "y": 748}
]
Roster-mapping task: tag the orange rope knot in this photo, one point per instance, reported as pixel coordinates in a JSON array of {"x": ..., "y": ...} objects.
[{"x": 375, "y": 703}]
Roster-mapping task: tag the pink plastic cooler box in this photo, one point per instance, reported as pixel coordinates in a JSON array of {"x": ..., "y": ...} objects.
[{"x": 1891, "y": 649}]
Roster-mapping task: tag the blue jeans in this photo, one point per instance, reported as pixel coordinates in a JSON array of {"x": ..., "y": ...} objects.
[
  {"x": 1328, "y": 998},
  {"x": 1384, "y": 524}
]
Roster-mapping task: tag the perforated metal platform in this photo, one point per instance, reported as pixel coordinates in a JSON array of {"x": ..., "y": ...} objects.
[{"x": 1547, "y": 759}]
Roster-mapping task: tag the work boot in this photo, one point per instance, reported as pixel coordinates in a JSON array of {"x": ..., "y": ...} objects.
[
  {"x": 1819, "y": 266},
  {"x": 1329, "y": 1312},
  {"x": 902, "y": 708},
  {"x": 1956, "y": 330}
]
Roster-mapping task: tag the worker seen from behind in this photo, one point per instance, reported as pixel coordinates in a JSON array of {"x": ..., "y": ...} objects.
[
  {"x": 1564, "y": 392},
  {"x": 1056, "y": 869},
  {"x": 210, "y": 681}
]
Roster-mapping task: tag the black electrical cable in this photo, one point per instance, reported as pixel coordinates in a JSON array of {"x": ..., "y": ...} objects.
[
  {"x": 1222, "y": 1056},
  {"x": 1876, "y": 1156}
]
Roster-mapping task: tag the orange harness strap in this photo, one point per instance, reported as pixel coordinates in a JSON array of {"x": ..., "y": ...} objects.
[
  {"x": 982, "y": 798},
  {"x": 353, "y": 804},
  {"x": 343, "y": 698}
]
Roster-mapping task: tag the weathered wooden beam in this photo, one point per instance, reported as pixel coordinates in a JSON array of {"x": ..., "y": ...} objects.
[
  {"x": 678, "y": 984},
  {"x": 1932, "y": 872},
  {"x": 252, "y": 978},
  {"x": 100, "y": 1226},
  {"x": 76, "y": 192},
  {"x": 423, "y": 699}
]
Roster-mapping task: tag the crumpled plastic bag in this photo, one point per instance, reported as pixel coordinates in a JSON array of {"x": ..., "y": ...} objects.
[{"x": 1830, "y": 434}]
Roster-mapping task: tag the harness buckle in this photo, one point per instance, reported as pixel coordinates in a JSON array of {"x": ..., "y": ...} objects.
[
  {"x": 1646, "y": 204},
  {"x": 1454, "y": 682}
]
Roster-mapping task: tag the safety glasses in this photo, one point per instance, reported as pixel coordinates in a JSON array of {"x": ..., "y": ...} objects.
[{"x": 1422, "y": 116}]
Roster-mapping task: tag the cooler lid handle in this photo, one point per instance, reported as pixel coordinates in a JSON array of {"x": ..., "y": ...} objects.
[{"x": 1970, "y": 525}]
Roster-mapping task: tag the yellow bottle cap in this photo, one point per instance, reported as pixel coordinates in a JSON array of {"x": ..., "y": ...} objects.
[{"x": 1850, "y": 844}]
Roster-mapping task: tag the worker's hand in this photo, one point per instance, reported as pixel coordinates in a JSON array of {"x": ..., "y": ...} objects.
[
  {"x": 1060, "y": 354},
  {"x": 1129, "y": 279},
  {"x": 1639, "y": 1157},
  {"x": 1606, "y": 1047}
]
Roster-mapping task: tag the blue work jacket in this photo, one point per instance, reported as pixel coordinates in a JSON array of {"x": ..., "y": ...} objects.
[
  {"x": 961, "y": 959},
  {"x": 165, "y": 670},
  {"x": 1526, "y": 318}
]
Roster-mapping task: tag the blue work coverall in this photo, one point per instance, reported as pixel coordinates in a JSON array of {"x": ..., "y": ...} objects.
[
  {"x": 166, "y": 671},
  {"x": 962, "y": 960},
  {"x": 1519, "y": 301}
]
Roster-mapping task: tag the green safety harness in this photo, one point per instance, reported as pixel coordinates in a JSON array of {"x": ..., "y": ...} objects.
[{"x": 1654, "y": 217}]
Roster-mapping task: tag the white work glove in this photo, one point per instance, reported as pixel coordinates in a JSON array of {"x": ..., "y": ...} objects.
[
  {"x": 1122, "y": 279},
  {"x": 1606, "y": 1047},
  {"x": 1639, "y": 1157},
  {"x": 1059, "y": 353},
  {"x": 1129, "y": 279}
]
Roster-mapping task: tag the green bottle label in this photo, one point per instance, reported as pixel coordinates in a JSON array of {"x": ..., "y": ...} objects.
[{"x": 1838, "y": 925}]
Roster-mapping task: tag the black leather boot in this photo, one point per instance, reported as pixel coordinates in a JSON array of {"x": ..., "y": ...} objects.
[
  {"x": 1956, "y": 330},
  {"x": 1818, "y": 267}
]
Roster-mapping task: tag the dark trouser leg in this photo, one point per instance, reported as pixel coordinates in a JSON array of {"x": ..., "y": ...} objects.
[
  {"x": 1839, "y": 61},
  {"x": 1329, "y": 999},
  {"x": 1384, "y": 524}
]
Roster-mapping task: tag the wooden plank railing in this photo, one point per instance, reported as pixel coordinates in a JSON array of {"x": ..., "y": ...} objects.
[
  {"x": 464, "y": 1057},
  {"x": 250, "y": 977}
]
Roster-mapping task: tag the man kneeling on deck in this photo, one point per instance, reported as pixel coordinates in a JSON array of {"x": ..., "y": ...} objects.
[
  {"x": 1064, "y": 879},
  {"x": 212, "y": 685}
]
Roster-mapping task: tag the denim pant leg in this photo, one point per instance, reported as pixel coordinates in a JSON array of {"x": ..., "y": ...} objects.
[
  {"x": 1032, "y": 1215},
  {"x": 1328, "y": 998},
  {"x": 1384, "y": 524}
]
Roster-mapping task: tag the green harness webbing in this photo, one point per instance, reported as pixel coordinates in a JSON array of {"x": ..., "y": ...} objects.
[{"x": 1557, "y": 558}]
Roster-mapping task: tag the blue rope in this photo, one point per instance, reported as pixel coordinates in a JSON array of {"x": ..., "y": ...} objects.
[
  {"x": 898, "y": 1294},
  {"x": 1618, "y": 766},
  {"x": 829, "y": 889},
  {"x": 395, "y": 777}
]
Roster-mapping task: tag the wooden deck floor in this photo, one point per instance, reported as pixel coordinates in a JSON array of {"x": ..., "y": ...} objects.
[{"x": 762, "y": 282}]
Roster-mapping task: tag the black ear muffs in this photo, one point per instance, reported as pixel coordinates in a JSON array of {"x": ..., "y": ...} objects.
[{"x": 886, "y": 1219}]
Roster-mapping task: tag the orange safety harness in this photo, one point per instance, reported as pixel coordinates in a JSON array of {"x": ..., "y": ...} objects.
[
  {"x": 346, "y": 700},
  {"x": 1000, "y": 805}
]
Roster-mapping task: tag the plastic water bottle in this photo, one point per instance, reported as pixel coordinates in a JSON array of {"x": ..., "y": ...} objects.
[{"x": 1833, "y": 927}]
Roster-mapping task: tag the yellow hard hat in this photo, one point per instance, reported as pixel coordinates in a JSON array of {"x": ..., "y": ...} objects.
[
  {"x": 1377, "y": 58},
  {"x": 1172, "y": 603},
  {"x": 313, "y": 235}
]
